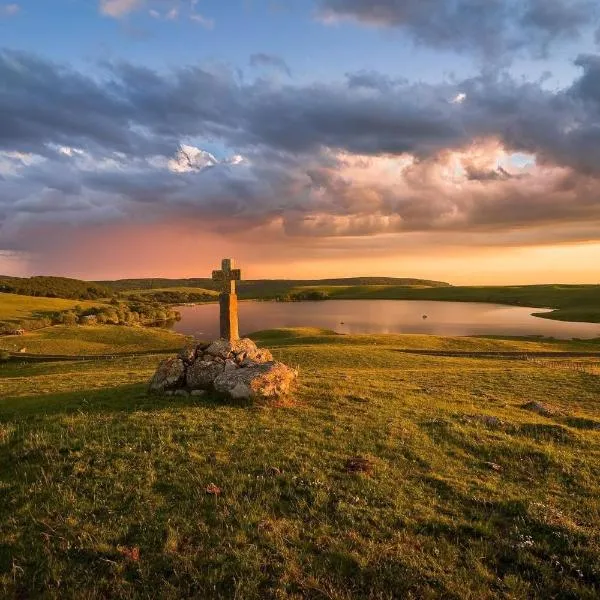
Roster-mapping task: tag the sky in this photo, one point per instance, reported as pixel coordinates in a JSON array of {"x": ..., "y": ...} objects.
[{"x": 456, "y": 140}]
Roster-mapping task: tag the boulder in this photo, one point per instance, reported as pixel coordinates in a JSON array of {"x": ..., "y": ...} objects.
[
  {"x": 266, "y": 381},
  {"x": 219, "y": 348},
  {"x": 188, "y": 354},
  {"x": 202, "y": 373},
  {"x": 169, "y": 375},
  {"x": 260, "y": 356},
  {"x": 225, "y": 349},
  {"x": 238, "y": 370}
]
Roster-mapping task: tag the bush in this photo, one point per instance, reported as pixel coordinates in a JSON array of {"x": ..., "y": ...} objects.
[
  {"x": 310, "y": 295},
  {"x": 68, "y": 318}
]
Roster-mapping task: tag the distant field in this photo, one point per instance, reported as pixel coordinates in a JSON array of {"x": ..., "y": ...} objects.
[
  {"x": 177, "y": 289},
  {"x": 99, "y": 339},
  {"x": 467, "y": 492},
  {"x": 14, "y": 308},
  {"x": 262, "y": 288}
]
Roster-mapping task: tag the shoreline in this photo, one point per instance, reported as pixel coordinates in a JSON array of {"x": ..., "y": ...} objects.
[{"x": 549, "y": 314}]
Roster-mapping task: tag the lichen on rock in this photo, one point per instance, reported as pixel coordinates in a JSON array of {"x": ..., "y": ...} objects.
[{"x": 169, "y": 375}]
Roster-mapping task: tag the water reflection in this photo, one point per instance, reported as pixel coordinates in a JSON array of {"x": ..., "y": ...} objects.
[{"x": 386, "y": 316}]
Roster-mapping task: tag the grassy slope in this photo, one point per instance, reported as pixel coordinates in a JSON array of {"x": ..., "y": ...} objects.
[
  {"x": 188, "y": 290},
  {"x": 91, "y": 468},
  {"x": 97, "y": 339},
  {"x": 14, "y": 308},
  {"x": 261, "y": 286}
]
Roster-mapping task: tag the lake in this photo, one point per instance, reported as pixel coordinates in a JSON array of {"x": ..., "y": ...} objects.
[{"x": 386, "y": 316}]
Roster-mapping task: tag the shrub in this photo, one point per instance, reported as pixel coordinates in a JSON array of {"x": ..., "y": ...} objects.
[
  {"x": 310, "y": 295},
  {"x": 69, "y": 318}
]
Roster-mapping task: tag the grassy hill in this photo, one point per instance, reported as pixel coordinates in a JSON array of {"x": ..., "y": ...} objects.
[
  {"x": 89, "y": 340},
  {"x": 263, "y": 288},
  {"x": 15, "y": 308},
  {"x": 175, "y": 289},
  {"x": 465, "y": 492},
  {"x": 54, "y": 287}
]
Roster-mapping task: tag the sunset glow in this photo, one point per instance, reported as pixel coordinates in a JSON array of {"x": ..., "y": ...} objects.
[{"x": 446, "y": 165}]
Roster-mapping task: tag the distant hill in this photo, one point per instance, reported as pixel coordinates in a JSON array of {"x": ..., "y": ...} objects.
[
  {"x": 54, "y": 287},
  {"x": 266, "y": 288}
]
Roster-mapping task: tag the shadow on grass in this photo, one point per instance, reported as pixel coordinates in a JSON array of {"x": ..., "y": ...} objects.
[{"x": 125, "y": 399}]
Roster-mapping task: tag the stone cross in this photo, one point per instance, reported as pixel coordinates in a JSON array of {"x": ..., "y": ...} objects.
[{"x": 227, "y": 277}]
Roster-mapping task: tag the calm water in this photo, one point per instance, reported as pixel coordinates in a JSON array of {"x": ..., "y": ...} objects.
[{"x": 385, "y": 316}]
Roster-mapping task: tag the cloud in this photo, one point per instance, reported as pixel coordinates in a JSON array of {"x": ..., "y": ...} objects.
[
  {"x": 459, "y": 98},
  {"x": 367, "y": 156},
  {"x": 119, "y": 8},
  {"x": 270, "y": 61},
  {"x": 163, "y": 10},
  {"x": 140, "y": 112},
  {"x": 373, "y": 80},
  {"x": 202, "y": 20},
  {"x": 493, "y": 29},
  {"x": 9, "y": 10}
]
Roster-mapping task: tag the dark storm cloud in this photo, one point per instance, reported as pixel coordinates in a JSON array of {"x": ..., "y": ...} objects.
[
  {"x": 270, "y": 61},
  {"x": 372, "y": 80},
  {"x": 141, "y": 113},
  {"x": 102, "y": 147},
  {"x": 493, "y": 28}
]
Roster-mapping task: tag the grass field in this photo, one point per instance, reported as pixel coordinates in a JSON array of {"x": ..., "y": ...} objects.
[
  {"x": 187, "y": 290},
  {"x": 95, "y": 339},
  {"x": 466, "y": 492},
  {"x": 15, "y": 308}
]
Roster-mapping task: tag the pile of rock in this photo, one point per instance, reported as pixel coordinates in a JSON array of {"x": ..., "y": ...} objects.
[{"x": 239, "y": 370}]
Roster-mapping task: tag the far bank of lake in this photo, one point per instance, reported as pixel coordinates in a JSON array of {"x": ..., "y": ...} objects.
[{"x": 387, "y": 316}]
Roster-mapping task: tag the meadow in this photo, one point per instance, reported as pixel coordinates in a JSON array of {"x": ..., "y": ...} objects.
[
  {"x": 387, "y": 474},
  {"x": 92, "y": 340},
  {"x": 16, "y": 308}
]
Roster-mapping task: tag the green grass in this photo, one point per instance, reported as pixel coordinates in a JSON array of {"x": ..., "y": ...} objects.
[
  {"x": 187, "y": 290},
  {"x": 469, "y": 496},
  {"x": 14, "y": 308},
  {"x": 315, "y": 335},
  {"x": 95, "y": 339}
]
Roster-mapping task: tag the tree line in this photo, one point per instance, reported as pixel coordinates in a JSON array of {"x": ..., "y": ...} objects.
[{"x": 54, "y": 287}]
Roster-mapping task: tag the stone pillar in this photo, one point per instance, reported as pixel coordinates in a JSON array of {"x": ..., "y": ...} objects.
[{"x": 229, "y": 317}]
